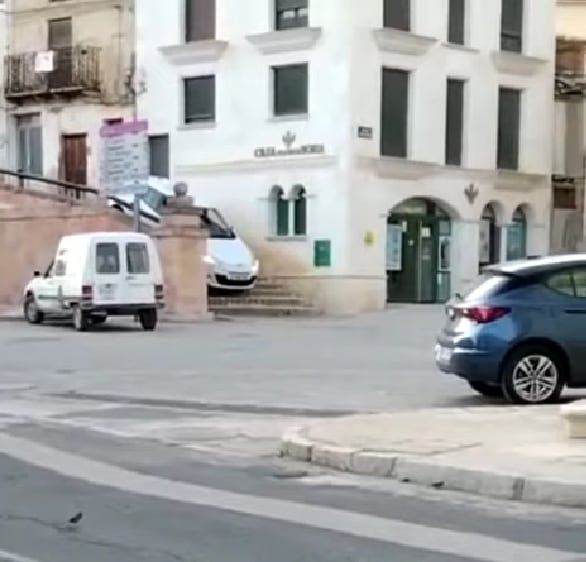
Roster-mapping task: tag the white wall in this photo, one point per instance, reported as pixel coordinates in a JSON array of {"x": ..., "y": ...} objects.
[
  {"x": 349, "y": 197},
  {"x": 570, "y": 18}
]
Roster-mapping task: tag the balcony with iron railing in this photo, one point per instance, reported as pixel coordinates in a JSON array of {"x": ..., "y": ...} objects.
[{"x": 70, "y": 71}]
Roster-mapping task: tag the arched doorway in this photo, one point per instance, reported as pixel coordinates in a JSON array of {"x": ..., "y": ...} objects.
[
  {"x": 489, "y": 237},
  {"x": 419, "y": 235},
  {"x": 517, "y": 235}
]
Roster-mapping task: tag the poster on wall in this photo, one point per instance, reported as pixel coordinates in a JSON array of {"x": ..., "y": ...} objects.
[
  {"x": 394, "y": 247},
  {"x": 484, "y": 237}
]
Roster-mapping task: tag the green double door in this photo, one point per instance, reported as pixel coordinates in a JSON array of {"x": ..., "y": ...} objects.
[{"x": 418, "y": 261}]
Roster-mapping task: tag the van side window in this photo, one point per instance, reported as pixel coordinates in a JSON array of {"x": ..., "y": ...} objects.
[
  {"x": 107, "y": 258},
  {"x": 137, "y": 258},
  {"x": 60, "y": 268}
]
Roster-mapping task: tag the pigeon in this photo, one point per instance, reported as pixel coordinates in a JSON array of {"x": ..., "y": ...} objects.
[{"x": 76, "y": 518}]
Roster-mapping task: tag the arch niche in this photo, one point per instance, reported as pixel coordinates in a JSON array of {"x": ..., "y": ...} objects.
[{"x": 419, "y": 251}]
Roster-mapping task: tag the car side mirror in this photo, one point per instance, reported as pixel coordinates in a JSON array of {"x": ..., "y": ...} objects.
[{"x": 36, "y": 274}]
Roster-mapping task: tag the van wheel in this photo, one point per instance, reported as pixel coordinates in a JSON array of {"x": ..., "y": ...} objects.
[
  {"x": 98, "y": 320},
  {"x": 533, "y": 375},
  {"x": 31, "y": 311},
  {"x": 148, "y": 319},
  {"x": 80, "y": 319}
]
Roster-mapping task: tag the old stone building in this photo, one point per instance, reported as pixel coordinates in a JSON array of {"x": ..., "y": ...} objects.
[{"x": 68, "y": 68}]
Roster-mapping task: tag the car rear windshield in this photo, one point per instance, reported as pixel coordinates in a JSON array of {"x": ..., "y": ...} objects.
[{"x": 488, "y": 285}]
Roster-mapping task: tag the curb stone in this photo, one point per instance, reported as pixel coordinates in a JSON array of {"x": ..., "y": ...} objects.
[{"x": 413, "y": 470}]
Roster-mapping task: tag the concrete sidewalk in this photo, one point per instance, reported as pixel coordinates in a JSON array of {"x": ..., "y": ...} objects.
[{"x": 504, "y": 452}]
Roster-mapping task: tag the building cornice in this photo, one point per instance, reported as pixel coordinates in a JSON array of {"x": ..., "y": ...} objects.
[
  {"x": 297, "y": 39},
  {"x": 400, "y": 168},
  {"x": 403, "y": 42},
  {"x": 255, "y": 165},
  {"x": 194, "y": 52},
  {"x": 516, "y": 63}
]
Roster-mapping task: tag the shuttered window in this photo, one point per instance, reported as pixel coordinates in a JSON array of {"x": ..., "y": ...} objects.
[
  {"x": 509, "y": 122},
  {"x": 200, "y": 20},
  {"x": 394, "y": 112},
  {"x": 291, "y": 13},
  {"x": 200, "y": 99},
  {"x": 454, "y": 121},
  {"x": 397, "y": 14},
  {"x": 512, "y": 25},
  {"x": 457, "y": 22}
]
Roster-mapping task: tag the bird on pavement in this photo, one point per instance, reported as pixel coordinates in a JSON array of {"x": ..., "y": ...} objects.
[{"x": 76, "y": 518}]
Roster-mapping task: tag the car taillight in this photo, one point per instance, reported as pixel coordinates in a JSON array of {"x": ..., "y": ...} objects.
[
  {"x": 87, "y": 293},
  {"x": 159, "y": 292},
  {"x": 484, "y": 314}
]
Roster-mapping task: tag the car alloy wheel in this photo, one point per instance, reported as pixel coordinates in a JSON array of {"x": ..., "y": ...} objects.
[{"x": 533, "y": 376}]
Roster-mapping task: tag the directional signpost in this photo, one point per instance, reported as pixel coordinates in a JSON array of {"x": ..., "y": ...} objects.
[{"x": 125, "y": 161}]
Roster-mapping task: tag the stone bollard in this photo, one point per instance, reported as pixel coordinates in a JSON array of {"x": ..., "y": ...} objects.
[
  {"x": 182, "y": 245},
  {"x": 575, "y": 416}
]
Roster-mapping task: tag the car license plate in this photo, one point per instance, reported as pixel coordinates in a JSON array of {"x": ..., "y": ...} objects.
[
  {"x": 106, "y": 291},
  {"x": 443, "y": 354},
  {"x": 238, "y": 276}
]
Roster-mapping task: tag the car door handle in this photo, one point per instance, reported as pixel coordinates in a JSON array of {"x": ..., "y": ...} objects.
[{"x": 581, "y": 311}]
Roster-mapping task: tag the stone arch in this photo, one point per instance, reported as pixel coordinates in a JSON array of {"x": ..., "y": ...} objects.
[
  {"x": 410, "y": 204},
  {"x": 517, "y": 231},
  {"x": 419, "y": 250},
  {"x": 496, "y": 209},
  {"x": 298, "y": 198},
  {"x": 278, "y": 211},
  {"x": 489, "y": 234}
]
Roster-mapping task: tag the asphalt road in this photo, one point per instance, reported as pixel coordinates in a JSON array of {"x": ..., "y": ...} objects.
[
  {"x": 375, "y": 362},
  {"x": 255, "y": 512},
  {"x": 167, "y": 443}
]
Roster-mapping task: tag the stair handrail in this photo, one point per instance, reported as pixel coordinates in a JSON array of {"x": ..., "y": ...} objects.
[{"x": 77, "y": 189}]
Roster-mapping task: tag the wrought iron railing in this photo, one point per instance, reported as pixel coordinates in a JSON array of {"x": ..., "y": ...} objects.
[
  {"x": 568, "y": 83},
  {"x": 75, "y": 69}
]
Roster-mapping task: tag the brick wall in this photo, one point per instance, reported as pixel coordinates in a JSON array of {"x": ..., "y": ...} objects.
[{"x": 30, "y": 228}]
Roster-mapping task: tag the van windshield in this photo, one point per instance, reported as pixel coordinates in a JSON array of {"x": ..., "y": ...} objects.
[{"x": 216, "y": 225}]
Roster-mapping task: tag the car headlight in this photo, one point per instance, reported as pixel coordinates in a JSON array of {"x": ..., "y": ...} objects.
[
  {"x": 255, "y": 267},
  {"x": 209, "y": 260}
]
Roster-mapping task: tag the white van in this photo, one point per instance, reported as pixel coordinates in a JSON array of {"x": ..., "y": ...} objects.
[
  {"x": 97, "y": 275},
  {"x": 230, "y": 263}
]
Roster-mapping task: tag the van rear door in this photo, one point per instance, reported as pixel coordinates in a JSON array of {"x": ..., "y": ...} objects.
[
  {"x": 109, "y": 275},
  {"x": 139, "y": 285}
]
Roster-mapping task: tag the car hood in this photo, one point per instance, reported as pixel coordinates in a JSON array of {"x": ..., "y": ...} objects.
[{"x": 230, "y": 251}]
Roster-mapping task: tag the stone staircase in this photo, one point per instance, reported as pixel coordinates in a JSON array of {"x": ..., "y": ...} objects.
[{"x": 267, "y": 299}]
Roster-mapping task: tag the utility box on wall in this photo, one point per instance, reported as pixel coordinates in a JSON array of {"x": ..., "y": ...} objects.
[{"x": 322, "y": 253}]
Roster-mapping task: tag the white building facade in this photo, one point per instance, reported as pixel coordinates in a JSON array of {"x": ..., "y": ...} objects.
[{"x": 370, "y": 151}]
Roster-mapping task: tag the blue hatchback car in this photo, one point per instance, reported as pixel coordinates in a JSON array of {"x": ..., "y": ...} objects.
[{"x": 520, "y": 332}]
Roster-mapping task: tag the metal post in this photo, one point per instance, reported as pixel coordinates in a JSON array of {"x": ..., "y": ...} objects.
[{"x": 136, "y": 214}]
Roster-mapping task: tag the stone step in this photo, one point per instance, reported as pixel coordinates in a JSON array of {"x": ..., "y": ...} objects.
[
  {"x": 264, "y": 311},
  {"x": 266, "y": 286},
  {"x": 253, "y": 299}
]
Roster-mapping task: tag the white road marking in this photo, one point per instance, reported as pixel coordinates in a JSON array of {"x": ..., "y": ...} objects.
[
  {"x": 411, "y": 535},
  {"x": 12, "y": 557}
]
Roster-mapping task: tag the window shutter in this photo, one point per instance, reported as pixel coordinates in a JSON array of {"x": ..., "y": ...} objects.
[
  {"x": 394, "y": 112},
  {"x": 200, "y": 20}
]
